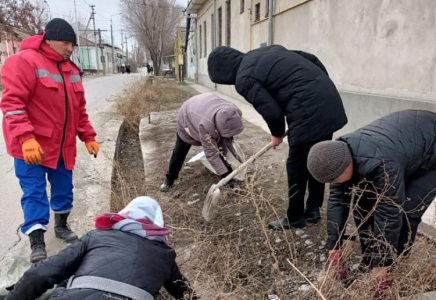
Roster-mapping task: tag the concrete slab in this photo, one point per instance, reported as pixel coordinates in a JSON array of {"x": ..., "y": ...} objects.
[
  {"x": 428, "y": 296},
  {"x": 149, "y": 142}
]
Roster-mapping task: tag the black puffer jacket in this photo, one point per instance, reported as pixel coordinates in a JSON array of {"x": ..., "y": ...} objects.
[
  {"x": 112, "y": 254},
  {"x": 278, "y": 83},
  {"x": 402, "y": 145}
]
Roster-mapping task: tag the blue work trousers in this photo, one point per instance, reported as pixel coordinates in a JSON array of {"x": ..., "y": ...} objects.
[{"x": 35, "y": 203}]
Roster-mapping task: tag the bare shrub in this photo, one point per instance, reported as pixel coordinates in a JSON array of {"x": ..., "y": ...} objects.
[{"x": 140, "y": 98}]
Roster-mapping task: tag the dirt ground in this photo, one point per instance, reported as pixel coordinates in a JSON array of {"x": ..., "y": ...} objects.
[{"x": 234, "y": 256}]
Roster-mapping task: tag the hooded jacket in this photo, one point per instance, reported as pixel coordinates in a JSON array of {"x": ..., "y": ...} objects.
[
  {"x": 387, "y": 154},
  {"x": 281, "y": 83},
  {"x": 128, "y": 251},
  {"x": 43, "y": 98},
  {"x": 211, "y": 122},
  {"x": 112, "y": 254}
]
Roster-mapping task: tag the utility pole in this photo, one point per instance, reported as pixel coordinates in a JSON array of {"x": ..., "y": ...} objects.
[
  {"x": 101, "y": 49},
  {"x": 87, "y": 44},
  {"x": 78, "y": 36},
  {"x": 122, "y": 47},
  {"x": 113, "y": 52},
  {"x": 127, "y": 52},
  {"x": 95, "y": 39}
]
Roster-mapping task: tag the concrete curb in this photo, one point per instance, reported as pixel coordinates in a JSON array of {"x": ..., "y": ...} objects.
[{"x": 93, "y": 178}]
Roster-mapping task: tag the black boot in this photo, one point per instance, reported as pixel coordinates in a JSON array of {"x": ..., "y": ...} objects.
[
  {"x": 284, "y": 223},
  {"x": 62, "y": 229},
  {"x": 312, "y": 216},
  {"x": 166, "y": 186},
  {"x": 37, "y": 245}
]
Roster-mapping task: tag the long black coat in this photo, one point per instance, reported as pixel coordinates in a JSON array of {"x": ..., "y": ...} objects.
[
  {"x": 113, "y": 254},
  {"x": 279, "y": 83},
  {"x": 401, "y": 145}
]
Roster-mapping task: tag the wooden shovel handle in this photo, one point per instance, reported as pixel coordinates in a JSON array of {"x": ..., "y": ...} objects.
[{"x": 261, "y": 152}]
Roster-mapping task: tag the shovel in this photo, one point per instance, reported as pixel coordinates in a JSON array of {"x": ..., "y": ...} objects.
[{"x": 214, "y": 193}]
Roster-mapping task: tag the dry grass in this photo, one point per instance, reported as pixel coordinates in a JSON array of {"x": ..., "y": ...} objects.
[
  {"x": 143, "y": 97},
  {"x": 234, "y": 256}
]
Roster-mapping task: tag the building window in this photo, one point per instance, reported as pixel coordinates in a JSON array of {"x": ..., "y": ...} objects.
[
  {"x": 267, "y": 8},
  {"x": 220, "y": 26},
  {"x": 212, "y": 30},
  {"x": 205, "y": 40},
  {"x": 201, "y": 42},
  {"x": 228, "y": 22},
  {"x": 257, "y": 12},
  {"x": 242, "y": 6},
  {"x": 15, "y": 50}
]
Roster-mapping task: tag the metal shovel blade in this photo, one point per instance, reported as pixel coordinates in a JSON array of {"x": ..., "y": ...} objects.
[{"x": 210, "y": 203}]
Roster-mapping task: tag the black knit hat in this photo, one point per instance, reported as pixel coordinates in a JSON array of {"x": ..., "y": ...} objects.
[
  {"x": 328, "y": 160},
  {"x": 60, "y": 30}
]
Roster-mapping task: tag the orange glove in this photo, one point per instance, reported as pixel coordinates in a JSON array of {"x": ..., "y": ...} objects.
[
  {"x": 32, "y": 152},
  {"x": 92, "y": 148}
]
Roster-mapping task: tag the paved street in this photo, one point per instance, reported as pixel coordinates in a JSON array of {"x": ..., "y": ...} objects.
[{"x": 97, "y": 90}]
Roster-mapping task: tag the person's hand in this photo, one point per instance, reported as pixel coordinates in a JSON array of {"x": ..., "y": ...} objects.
[
  {"x": 276, "y": 141},
  {"x": 335, "y": 258},
  {"x": 32, "y": 152},
  {"x": 379, "y": 272},
  {"x": 92, "y": 148},
  {"x": 382, "y": 281},
  {"x": 231, "y": 183}
]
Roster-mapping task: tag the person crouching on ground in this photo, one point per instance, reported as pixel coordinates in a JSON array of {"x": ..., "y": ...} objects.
[
  {"x": 205, "y": 120},
  {"x": 127, "y": 257},
  {"x": 394, "y": 156},
  {"x": 281, "y": 83}
]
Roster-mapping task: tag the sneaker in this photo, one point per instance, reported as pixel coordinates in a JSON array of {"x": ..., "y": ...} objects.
[
  {"x": 37, "y": 245},
  {"x": 284, "y": 223},
  {"x": 312, "y": 216},
  {"x": 166, "y": 186},
  {"x": 62, "y": 229}
]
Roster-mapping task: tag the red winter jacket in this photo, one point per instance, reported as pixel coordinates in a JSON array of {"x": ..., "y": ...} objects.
[{"x": 43, "y": 98}]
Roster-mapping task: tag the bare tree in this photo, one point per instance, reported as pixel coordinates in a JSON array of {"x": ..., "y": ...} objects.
[
  {"x": 153, "y": 22},
  {"x": 40, "y": 16},
  {"x": 29, "y": 16},
  {"x": 14, "y": 13}
]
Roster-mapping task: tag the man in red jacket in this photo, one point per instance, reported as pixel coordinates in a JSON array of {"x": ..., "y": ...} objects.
[{"x": 44, "y": 110}]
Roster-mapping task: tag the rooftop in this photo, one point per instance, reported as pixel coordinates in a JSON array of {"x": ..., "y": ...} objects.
[{"x": 194, "y": 6}]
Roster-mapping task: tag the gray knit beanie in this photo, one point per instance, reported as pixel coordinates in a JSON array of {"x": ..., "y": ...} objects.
[{"x": 328, "y": 160}]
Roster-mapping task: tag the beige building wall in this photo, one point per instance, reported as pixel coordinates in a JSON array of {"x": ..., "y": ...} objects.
[{"x": 380, "y": 53}]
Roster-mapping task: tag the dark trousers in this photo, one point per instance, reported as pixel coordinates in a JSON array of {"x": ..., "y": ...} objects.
[
  {"x": 298, "y": 179},
  {"x": 420, "y": 192},
  {"x": 178, "y": 157}
]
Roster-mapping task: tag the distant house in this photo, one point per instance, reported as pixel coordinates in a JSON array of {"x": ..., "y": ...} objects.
[
  {"x": 10, "y": 43},
  {"x": 86, "y": 59}
]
